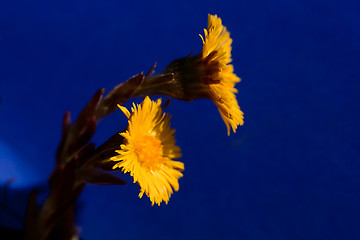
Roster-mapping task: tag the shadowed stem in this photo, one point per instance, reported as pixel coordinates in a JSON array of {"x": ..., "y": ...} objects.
[{"x": 78, "y": 162}]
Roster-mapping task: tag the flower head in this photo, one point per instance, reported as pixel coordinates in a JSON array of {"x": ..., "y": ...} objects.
[
  {"x": 218, "y": 73},
  {"x": 208, "y": 75},
  {"x": 148, "y": 150}
]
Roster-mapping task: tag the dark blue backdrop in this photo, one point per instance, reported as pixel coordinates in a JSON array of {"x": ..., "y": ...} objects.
[{"x": 291, "y": 172}]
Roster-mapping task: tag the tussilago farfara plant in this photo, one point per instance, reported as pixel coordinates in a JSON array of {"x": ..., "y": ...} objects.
[{"x": 146, "y": 149}]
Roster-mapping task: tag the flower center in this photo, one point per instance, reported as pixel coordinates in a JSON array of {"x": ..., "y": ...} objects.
[{"x": 150, "y": 152}]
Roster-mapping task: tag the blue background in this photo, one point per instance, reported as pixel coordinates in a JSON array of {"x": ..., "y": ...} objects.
[{"x": 291, "y": 172}]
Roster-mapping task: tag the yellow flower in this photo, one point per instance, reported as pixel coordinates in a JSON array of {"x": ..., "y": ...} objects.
[
  {"x": 148, "y": 150},
  {"x": 206, "y": 75},
  {"x": 219, "y": 74}
]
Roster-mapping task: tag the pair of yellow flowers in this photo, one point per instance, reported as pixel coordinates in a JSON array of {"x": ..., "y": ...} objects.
[{"x": 149, "y": 144}]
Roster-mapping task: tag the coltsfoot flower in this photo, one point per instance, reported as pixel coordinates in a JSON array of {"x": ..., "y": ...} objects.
[
  {"x": 207, "y": 75},
  {"x": 148, "y": 151},
  {"x": 217, "y": 71}
]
